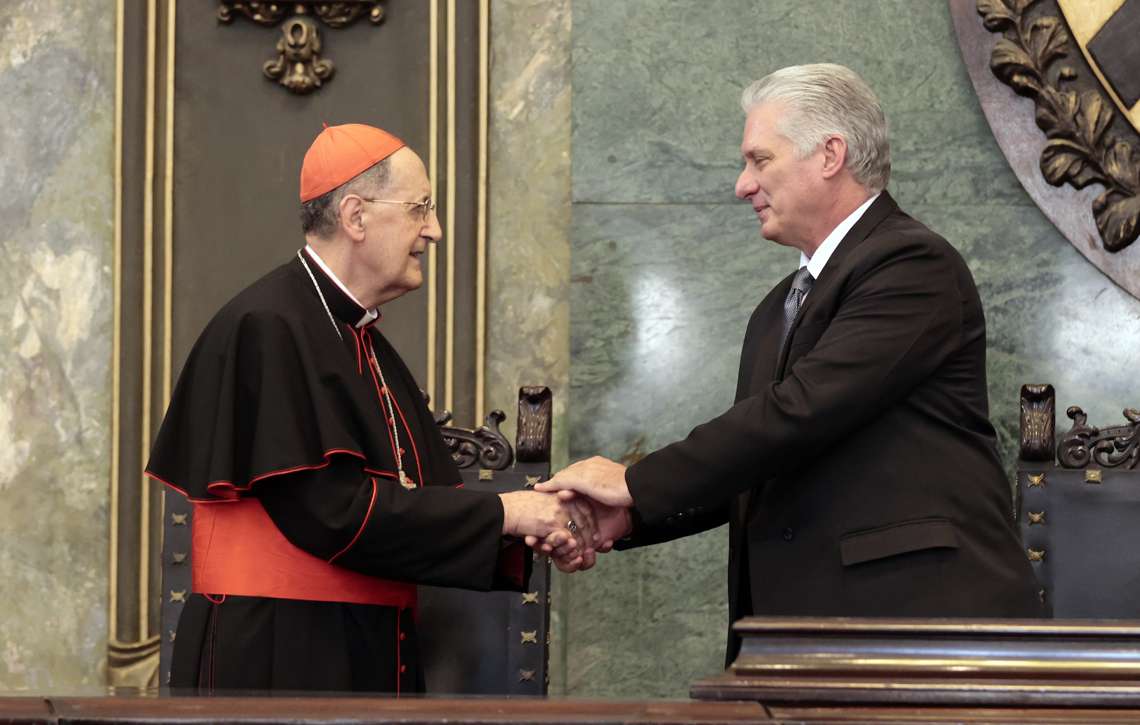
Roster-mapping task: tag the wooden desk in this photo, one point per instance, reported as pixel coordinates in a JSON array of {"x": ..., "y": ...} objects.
[
  {"x": 405, "y": 711},
  {"x": 353, "y": 710}
]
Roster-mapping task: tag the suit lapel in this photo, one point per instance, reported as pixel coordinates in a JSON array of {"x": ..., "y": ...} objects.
[
  {"x": 879, "y": 210},
  {"x": 766, "y": 333},
  {"x": 767, "y": 367}
]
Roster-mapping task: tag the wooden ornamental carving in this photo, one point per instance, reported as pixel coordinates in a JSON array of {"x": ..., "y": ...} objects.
[
  {"x": 1038, "y": 420},
  {"x": 535, "y": 412},
  {"x": 1076, "y": 61},
  {"x": 299, "y": 66},
  {"x": 1116, "y": 446},
  {"x": 488, "y": 643},
  {"x": 1075, "y": 513},
  {"x": 1039, "y": 58},
  {"x": 486, "y": 445}
]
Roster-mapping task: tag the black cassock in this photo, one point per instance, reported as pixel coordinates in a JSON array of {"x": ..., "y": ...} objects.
[{"x": 272, "y": 405}]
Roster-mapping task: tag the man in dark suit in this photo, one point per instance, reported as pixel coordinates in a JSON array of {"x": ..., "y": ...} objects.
[{"x": 857, "y": 469}]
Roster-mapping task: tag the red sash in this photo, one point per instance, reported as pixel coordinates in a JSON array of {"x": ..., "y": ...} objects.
[{"x": 236, "y": 549}]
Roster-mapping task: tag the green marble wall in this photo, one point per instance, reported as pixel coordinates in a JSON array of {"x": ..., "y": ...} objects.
[
  {"x": 528, "y": 228},
  {"x": 666, "y": 267},
  {"x": 57, "y": 82}
]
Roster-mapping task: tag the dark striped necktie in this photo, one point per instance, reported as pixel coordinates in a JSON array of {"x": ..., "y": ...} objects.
[{"x": 801, "y": 285}]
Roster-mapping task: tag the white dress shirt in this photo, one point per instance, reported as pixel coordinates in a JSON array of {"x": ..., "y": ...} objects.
[{"x": 816, "y": 262}]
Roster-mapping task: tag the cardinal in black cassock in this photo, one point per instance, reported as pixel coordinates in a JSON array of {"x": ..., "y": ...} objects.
[{"x": 322, "y": 489}]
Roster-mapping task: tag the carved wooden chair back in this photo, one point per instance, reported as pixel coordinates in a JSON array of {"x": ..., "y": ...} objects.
[
  {"x": 1078, "y": 509},
  {"x": 492, "y": 643}
]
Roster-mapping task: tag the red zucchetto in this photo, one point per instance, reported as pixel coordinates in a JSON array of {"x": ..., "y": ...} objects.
[{"x": 339, "y": 153}]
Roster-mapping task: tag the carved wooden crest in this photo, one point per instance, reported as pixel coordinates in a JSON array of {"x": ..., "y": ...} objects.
[
  {"x": 1059, "y": 82},
  {"x": 299, "y": 65}
]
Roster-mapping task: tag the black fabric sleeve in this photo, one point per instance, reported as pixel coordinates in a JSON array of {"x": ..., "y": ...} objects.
[
  {"x": 437, "y": 535},
  {"x": 647, "y": 534},
  {"x": 900, "y": 319}
]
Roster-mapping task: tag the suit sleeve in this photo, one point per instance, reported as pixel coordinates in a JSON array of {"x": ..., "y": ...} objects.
[
  {"x": 898, "y": 320},
  {"x": 685, "y": 524},
  {"x": 435, "y": 535}
]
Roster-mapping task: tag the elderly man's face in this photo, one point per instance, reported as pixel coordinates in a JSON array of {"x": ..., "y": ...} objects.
[
  {"x": 785, "y": 191},
  {"x": 397, "y": 235}
]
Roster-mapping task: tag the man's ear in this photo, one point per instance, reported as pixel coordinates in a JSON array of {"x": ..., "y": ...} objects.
[
  {"x": 351, "y": 214},
  {"x": 834, "y": 156}
]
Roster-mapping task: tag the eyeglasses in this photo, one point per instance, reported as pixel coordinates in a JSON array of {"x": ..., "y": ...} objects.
[{"x": 419, "y": 209}]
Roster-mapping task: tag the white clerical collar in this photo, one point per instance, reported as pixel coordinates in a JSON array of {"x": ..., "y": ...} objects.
[
  {"x": 371, "y": 315},
  {"x": 816, "y": 262}
]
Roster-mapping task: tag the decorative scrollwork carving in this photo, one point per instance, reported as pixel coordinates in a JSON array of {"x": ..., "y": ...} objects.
[
  {"x": 343, "y": 14},
  {"x": 1072, "y": 110},
  {"x": 536, "y": 409},
  {"x": 485, "y": 445},
  {"x": 332, "y": 14},
  {"x": 299, "y": 65},
  {"x": 1106, "y": 447},
  {"x": 262, "y": 13},
  {"x": 1038, "y": 422}
]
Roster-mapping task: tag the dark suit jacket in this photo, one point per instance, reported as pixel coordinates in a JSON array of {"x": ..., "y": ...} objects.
[{"x": 858, "y": 468}]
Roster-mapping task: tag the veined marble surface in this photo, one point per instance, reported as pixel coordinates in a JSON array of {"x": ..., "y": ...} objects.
[
  {"x": 667, "y": 267},
  {"x": 528, "y": 234},
  {"x": 528, "y": 231},
  {"x": 57, "y": 79}
]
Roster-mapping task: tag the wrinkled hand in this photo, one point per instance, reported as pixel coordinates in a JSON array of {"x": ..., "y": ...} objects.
[
  {"x": 613, "y": 523},
  {"x": 599, "y": 478},
  {"x": 528, "y": 514}
]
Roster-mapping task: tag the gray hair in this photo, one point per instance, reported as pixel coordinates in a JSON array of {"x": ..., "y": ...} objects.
[
  {"x": 321, "y": 216},
  {"x": 825, "y": 99}
]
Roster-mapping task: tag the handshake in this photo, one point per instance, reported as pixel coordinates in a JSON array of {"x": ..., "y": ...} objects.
[{"x": 574, "y": 516}]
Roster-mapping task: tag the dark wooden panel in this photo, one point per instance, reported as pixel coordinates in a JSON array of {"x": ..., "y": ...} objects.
[
  {"x": 237, "y": 140},
  {"x": 240, "y": 139}
]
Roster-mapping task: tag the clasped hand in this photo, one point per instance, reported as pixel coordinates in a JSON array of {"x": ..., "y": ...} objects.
[{"x": 577, "y": 514}]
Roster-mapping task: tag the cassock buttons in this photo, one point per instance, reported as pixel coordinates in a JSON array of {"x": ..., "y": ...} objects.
[
  {"x": 403, "y": 669},
  {"x": 789, "y": 534},
  {"x": 403, "y": 636}
]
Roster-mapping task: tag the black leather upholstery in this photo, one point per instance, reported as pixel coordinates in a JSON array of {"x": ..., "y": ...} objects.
[
  {"x": 492, "y": 643},
  {"x": 1083, "y": 537},
  {"x": 1078, "y": 510}
]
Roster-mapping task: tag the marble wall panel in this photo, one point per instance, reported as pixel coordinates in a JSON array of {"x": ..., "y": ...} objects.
[
  {"x": 665, "y": 270},
  {"x": 654, "y": 353},
  {"x": 528, "y": 231},
  {"x": 57, "y": 79},
  {"x": 529, "y": 205}
]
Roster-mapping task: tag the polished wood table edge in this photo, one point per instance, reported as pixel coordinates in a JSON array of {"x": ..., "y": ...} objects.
[
  {"x": 937, "y": 627},
  {"x": 852, "y": 691},
  {"x": 460, "y": 711},
  {"x": 24, "y": 708},
  {"x": 914, "y": 714},
  {"x": 351, "y": 709}
]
